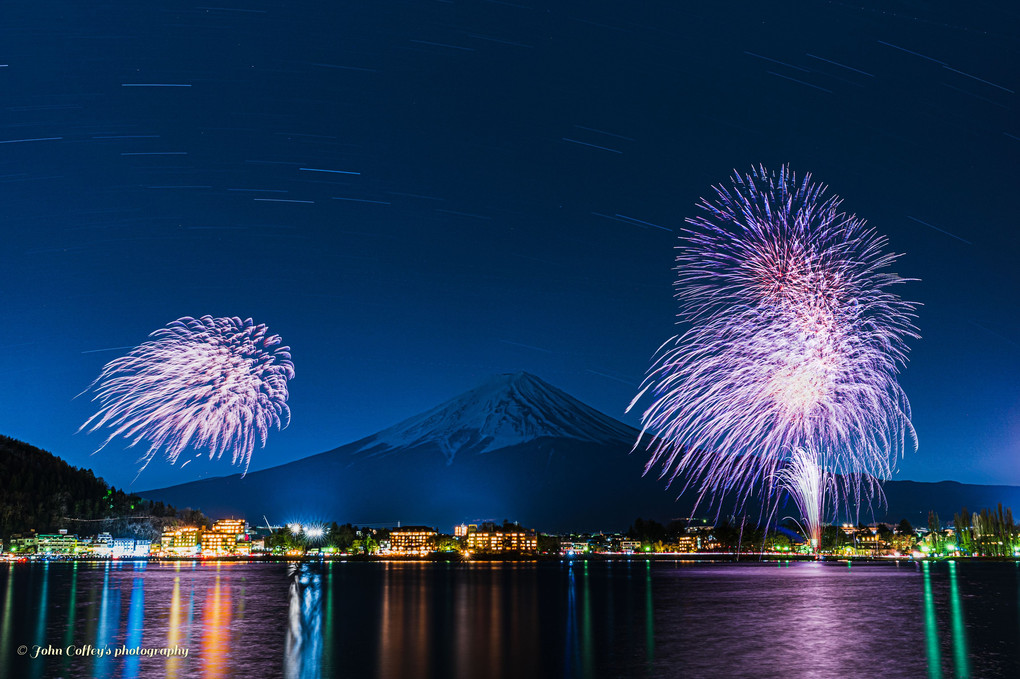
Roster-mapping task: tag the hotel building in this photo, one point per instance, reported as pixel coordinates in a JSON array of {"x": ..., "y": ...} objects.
[
  {"x": 412, "y": 540},
  {"x": 491, "y": 539},
  {"x": 60, "y": 544},
  {"x": 182, "y": 541}
]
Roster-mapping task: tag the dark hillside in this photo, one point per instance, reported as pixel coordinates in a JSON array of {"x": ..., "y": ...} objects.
[{"x": 40, "y": 492}]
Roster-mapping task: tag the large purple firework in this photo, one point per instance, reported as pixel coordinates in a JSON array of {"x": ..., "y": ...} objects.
[
  {"x": 795, "y": 341},
  {"x": 209, "y": 383}
]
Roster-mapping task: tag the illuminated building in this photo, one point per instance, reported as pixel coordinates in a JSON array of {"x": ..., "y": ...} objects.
[
  {"x": 630, "y": 546},
  {"x": 412, "y": 540},
  {"x": 688, "y": 543},
  {"x": 462, "y": 530},
  {"x": 227, "y": 538},
  {"x": 101, "y": 546},
  {"x": 215, "y": 543},
  {"x": 24, "y": 544},
  {"x": 572, "y": 546},
  {"x": 505, "y": 539},
  {"x": 123, "y": 547},
  {"x": 165, "y": 544},
  {"x": 181, "y": 541},
  {"x": 60, "y": 544},
  {"x": 869, "y": 542},
  {"x": 864, "y": 540},
  {"x": 232, "y": 526}
]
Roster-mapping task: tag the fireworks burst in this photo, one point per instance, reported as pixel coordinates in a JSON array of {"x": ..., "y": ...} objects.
[
  {"x": 795, "y": 343},
  {"x": 207, "y": 383}
]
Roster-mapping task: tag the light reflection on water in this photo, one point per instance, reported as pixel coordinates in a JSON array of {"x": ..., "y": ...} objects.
[
  {"x": 177, "y": 616},
  {"x": 303, "y": 651},
  {"x": 538, "y": 620},
  {"x": 7, "y": 624},
  {"x": 216, "y": 625},
  {"x": 931, "y": 627},
  {"x": 959, "y": 631},
  {"x": 135, "y": 623}
]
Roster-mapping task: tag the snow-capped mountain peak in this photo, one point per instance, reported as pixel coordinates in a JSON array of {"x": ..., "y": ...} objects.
[{"x": 505, "y": 410}]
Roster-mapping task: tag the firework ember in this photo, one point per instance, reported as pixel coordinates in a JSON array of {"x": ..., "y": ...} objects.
[
  {"x": 795, "y": 341},
  {"x": 216, "y": 384}
]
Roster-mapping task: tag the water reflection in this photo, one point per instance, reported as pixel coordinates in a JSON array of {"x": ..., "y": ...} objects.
[
  {"x": 411, "y": 620},
  {"x": 304, "y": 630},
  {"x": 588, "y": 645},
  {"x": 649, "y": 617},
  {"x": 956, "y": 637},
  {"x": 109, "y": 607},
  {"x": 495, "y": 622},
  {"x": 173, "y": 664},
  {"x": 543, "y": 621},
  {"x": 578, "y": 658},
  {"x": 41, "y": 607},
  {"x": 959, "y": 632},
  {"x": 216, "y": 630},
  {"x": 931, "y": 633},
  {"x": 570, "y": 651},
  {"x": 814, "y": 612},
  {"x": 7, "y": 624},
  {"x": 328, "y": 669},
  {"x": 135, "y": 623},
  {"x": 69, "y": 629}
]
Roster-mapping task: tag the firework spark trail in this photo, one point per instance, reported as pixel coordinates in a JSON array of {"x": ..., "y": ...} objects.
[
  {"x": 812, "y": 489},
  {"x": 215, "y": 383},
  {"x": 795, "y": 340}
]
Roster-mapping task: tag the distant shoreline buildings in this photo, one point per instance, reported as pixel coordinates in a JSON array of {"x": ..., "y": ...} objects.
[
  {"x": 977, "y": 535},
  {"x": 227, "y": 537}
]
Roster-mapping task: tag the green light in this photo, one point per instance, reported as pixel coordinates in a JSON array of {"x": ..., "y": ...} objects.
[
  {"x": 930, "y": 628},
  {"x": 959, "y": 630}
]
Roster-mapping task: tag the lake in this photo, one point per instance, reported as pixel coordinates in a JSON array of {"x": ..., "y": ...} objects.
[{"x": 627, "y": 618}]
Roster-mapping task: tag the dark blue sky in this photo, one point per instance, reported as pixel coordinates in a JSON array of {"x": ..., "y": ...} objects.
[{"x": 510, "y": 160}]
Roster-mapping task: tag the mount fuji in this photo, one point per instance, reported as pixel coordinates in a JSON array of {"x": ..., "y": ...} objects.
[
  {"x": 514, "y": 447},
  {"x": 507, "y": 410}
]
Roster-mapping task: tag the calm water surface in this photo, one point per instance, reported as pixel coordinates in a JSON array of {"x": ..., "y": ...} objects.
[{"x": 535, "y": 620}]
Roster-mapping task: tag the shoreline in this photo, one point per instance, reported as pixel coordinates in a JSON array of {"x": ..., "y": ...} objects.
[{"x": 694, "y": 557}]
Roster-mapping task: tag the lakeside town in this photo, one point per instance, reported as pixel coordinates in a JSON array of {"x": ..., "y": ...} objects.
[{"x": 989, "y": 533}]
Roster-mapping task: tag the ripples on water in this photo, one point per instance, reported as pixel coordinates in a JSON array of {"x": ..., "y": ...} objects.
[{"x": 534, "y": 620}]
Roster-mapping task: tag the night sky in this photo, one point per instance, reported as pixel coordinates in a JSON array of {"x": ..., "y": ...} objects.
[{"x": 504, "y": 190}]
